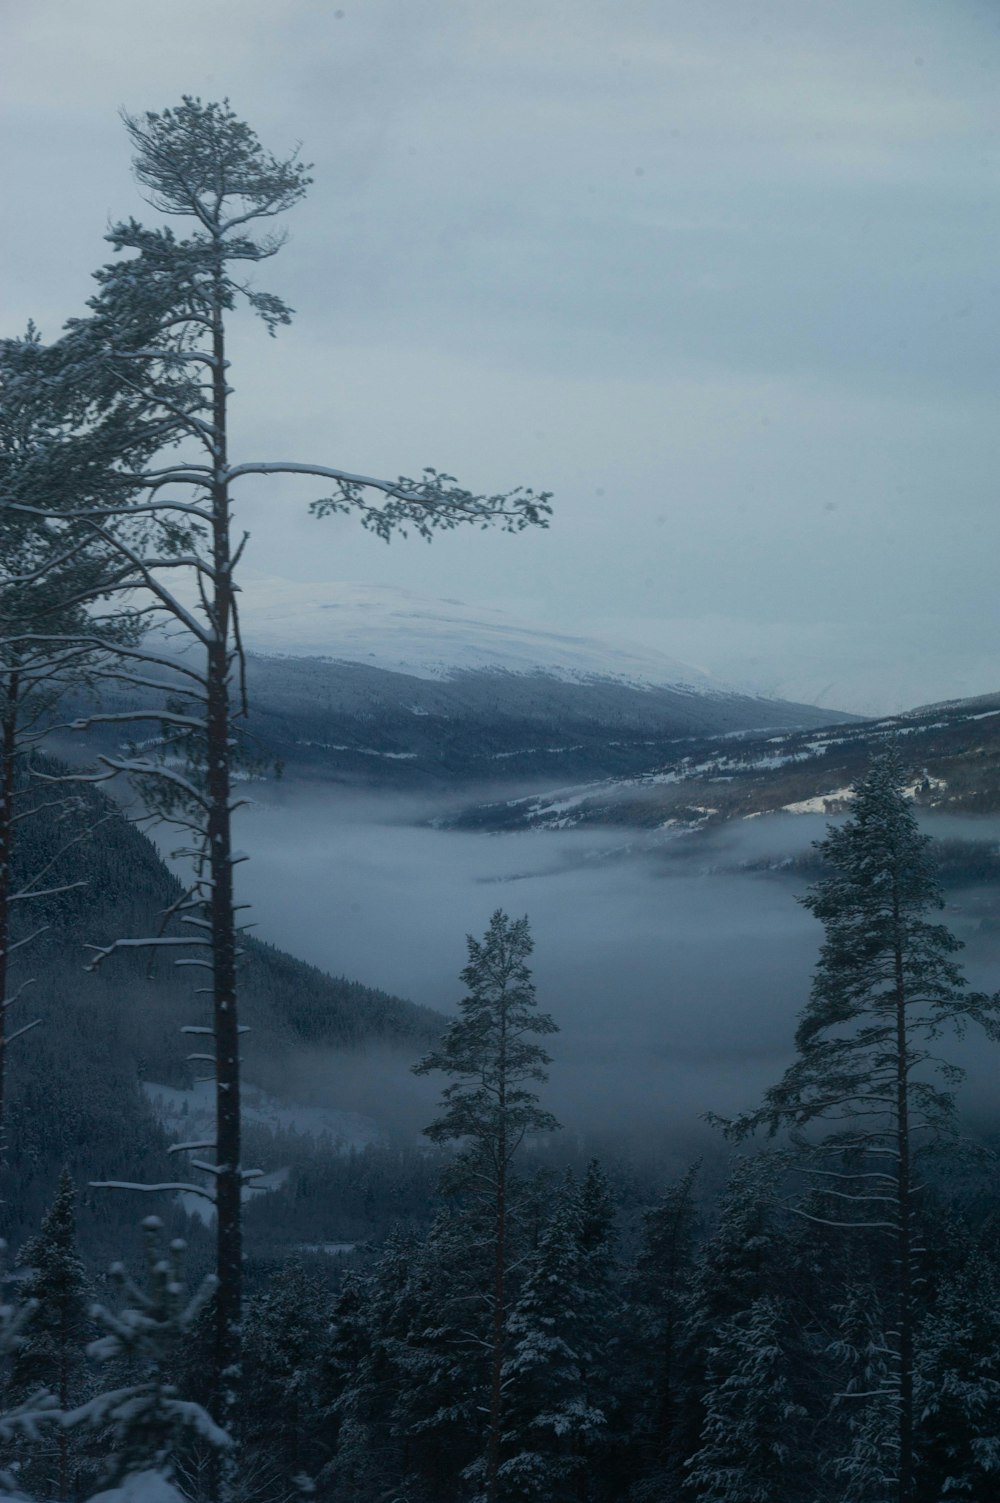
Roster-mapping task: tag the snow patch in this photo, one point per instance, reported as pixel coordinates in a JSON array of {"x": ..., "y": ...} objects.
[{"x": 823, "y": 803}]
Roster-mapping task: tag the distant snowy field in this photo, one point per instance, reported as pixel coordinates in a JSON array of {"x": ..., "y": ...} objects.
[
  {"x": 190, "y": 1113},
  {"x": 408, "y": 633},
  {"x": 189, "y": 1116}
]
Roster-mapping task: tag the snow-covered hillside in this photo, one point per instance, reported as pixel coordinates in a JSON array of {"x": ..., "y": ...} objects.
[
  {"x": 370, "y": 685},
  {"x": 404, "y": 632}
]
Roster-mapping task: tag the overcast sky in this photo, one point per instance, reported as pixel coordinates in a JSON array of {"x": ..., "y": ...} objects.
[{"x": 721, "y": 275}]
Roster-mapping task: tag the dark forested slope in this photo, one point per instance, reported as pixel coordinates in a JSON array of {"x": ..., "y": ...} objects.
[{"x": 75, "y": 1083}]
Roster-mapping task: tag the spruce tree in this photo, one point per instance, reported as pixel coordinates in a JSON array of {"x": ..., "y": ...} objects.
[
  {"x": 492, "y": 1053},
  {"x": 863, "y": 1447},
  {"x": 411, "y": 1341},
  {"x": 754, "y": 1442},
  {"x": 148, "y": 1420},
  {"x": 659, "y": 1292},
  {"x": 743, "y": 1263},
  {"x": 867, "y": 1069},
  {"x": 555, "y": 1336},
  {"x": 286, "y": 1340},
  {"x": 600, "y": 1340},
  {"x": 957, "y": 1386},
  {"x": 25, "y": 1419},
  {"x": 52, "y": 1354}
]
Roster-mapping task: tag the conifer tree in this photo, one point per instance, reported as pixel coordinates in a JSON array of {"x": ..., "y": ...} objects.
[
  {"x": 865, "y": 1410},
  {"x": 957, "y": 1386},
  {"x": 412, "y": 1343},
  {"x": 659, "y": 1292},
  {"x": 52, "y": 574},
  {"x": 24, "y": 1420},
  {"x": 754, "y": 1442},
  {"x": 886, "y": 988},
  {"x": 52, "y": 1354},
  {"x": 286, "y": 1340},
  {"x": 159, "y": 324},
  {"x": 489, "y": 1109},
  {"x": 600, "y": 1343},
  {"x": 552, "y": 1423},
  {"x": 742, "y": 1262}
]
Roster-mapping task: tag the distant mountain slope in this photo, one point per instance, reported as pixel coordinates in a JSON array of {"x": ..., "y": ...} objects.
[
  {"x": 349, "y": 722},
  {"x": 953, "y": 750}
]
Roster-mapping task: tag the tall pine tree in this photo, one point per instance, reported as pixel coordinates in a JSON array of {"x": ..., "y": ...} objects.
[
  {"x": 865, "y": 1095},
  {"x": 492, "y": 1053}
]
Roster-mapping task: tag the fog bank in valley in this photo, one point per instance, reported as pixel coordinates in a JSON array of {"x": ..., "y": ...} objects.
[{"x": 675, "y": 975}]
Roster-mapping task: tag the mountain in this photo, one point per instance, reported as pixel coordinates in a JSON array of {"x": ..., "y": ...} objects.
[
  {"x": 377, "y": 686},
  {"x": 953, "y": 749},
  {"x": 403, "y": 632}
]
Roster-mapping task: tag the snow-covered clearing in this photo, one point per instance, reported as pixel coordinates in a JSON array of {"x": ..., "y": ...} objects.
[{"x": 191, "y": 1113}]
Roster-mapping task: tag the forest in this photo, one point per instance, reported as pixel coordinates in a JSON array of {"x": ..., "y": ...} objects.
[{"x": 490, "y": 1314}]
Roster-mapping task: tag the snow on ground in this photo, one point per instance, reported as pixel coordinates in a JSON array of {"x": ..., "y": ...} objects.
[
  {"x": 190, "y": 1117},
  {"x": 823, "y": 803},
  {"x": 142, "y": 1487},
  {"x": 837, "y": 801}
]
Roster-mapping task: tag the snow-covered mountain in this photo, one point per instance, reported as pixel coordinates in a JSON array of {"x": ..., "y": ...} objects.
[
  {"x": 367, "y": 685},
  {"x": 403, "y": 632}
]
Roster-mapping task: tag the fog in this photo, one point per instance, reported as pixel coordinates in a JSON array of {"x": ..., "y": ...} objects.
[{"x": 674, "y": 975}]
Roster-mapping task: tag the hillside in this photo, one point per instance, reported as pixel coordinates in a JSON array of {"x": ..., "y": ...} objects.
[
  {"x": 953, "y": 749},
  {"x": 368, "y": 727},
  {"x": 347, "y": 722},
  {"x": 76, "y": 1082}
]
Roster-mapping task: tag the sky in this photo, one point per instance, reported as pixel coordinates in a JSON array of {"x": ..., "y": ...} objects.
[{"x": 722, "y": 277}]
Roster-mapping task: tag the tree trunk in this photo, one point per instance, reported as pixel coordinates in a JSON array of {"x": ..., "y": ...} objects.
[
  {"x": 499, "y": 1274},
  {"x": 904, "y": 1212},
  {"x": 228, "y": 1178},
  {"x": 8, "y": 764},
  {"x": 497, "y": 1355}
]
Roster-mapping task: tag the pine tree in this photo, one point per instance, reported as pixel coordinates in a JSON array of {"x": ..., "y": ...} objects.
[
  {"x": 492, "y": 1053},
  {"x": 159, "y": 325},
  {"x": 52, "y": 1355},
  {"x": 52, "y": 574},
  {"x": 886, "y": 988}
]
